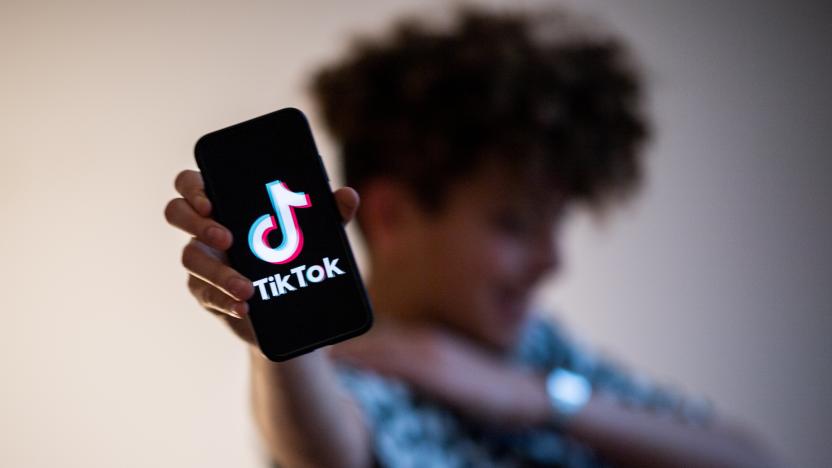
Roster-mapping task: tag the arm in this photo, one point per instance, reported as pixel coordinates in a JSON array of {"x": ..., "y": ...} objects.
[
  {"x": 627, "y": 436},
  {"x": 304, "y": 416},
  {"x": 640, "y": 438},
  {"x": 504, "y": 394}
]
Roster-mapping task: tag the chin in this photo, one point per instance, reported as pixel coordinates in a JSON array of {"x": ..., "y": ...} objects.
[
  {"x": 504, "y": 337},
  {"x": 493, "y": 326}
]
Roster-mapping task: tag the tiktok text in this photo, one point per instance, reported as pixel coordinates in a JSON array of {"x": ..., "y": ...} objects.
[{"x": 303, "y": 275}]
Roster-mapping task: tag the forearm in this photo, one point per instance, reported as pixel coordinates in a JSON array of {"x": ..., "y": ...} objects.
[
  {"x": 624, "y": 436},
  {"x": 304, "y": 416},
  {"x": 641, "y": 438},
  {"x": 630, "y": 437}
]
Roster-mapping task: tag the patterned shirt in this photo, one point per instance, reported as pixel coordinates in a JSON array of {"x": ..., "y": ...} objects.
[{"x": 410, "y": 430}]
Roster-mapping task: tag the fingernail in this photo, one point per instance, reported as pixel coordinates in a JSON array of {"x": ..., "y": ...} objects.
[{"x": 238, "y": 287}]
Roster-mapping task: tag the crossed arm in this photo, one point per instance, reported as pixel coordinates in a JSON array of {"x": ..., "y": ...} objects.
[{"x": 498, "y": 392}]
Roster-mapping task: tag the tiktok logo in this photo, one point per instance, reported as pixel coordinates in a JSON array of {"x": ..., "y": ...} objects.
[{"x": 284, "y": 201}]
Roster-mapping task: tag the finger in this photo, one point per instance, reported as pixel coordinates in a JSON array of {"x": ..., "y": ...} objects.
[
  {"x": 190, "y": 185},
  {"x": 212, "y": 298},
  {"x": 181, "y": 214},
  {"x": 347, "y": 200},
  {"x": 208, "y": 268}
]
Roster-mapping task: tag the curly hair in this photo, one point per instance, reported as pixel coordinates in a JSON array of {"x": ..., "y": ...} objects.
[{"x": 428, "y": 105}]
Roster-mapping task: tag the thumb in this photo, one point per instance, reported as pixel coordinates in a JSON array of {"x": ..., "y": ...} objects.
[{"x": 347, "y": 200}]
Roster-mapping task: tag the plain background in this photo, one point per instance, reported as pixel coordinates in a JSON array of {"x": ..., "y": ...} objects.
[{"x": 716, "y": 280}]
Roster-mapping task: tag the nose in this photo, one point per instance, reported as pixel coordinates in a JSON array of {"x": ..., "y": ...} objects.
[{"x": 545, "y": 256}]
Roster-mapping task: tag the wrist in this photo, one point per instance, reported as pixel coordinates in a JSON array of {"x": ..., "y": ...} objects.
[{"x": 568, "y": 393}]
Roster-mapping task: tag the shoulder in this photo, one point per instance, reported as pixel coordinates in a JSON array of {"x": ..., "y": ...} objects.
[
  {"x": 543, "y": 343},
  {"x": 375, "y": 393},
  {"x": 406, "y": 429}
]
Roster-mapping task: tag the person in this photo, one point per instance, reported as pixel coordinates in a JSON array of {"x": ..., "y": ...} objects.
[{"x": 469, "y": 143}]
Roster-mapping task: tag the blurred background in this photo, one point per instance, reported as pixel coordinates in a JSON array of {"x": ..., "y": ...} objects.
[{"x": 717, "y": 280}]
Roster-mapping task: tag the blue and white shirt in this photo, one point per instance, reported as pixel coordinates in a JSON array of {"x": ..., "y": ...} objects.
[{"x": 410, "y": 430}]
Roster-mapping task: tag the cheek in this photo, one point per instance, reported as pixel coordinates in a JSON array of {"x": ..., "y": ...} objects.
[
  {"x": 464, "y": 275},
  {"x": 454, "y": 266},
  {"x": 472, "y": 269},
  {"x": 494, "y": 258},
  {"x": 499, "y": 268},
  {"x": 474, "y": 258}
]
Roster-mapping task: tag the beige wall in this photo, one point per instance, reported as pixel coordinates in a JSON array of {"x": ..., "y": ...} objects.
[{"x": 717, "y": 279}]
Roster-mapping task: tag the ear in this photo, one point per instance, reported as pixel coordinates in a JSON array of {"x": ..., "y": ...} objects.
[{"x": 387, "y": 213}]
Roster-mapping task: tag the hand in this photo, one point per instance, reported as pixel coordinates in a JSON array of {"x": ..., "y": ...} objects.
[
  {"x": 410, "y": 352},
  {"x": 452, "y": 369},
  {"x": 216, "y": 286}
]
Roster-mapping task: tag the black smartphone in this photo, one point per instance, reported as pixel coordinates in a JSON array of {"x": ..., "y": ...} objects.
[{"x": 268, "y": 185}]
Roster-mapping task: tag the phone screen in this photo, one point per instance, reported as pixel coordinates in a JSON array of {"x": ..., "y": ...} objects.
[{"x": 267, "y": 184}]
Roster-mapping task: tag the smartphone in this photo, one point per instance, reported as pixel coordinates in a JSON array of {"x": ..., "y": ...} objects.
[{"x": 268, "y": 185}]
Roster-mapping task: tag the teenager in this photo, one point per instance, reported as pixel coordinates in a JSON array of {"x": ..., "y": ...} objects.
[{"x": 468, "y": 144}]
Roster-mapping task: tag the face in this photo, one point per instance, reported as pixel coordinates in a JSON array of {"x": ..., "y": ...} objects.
[{"x": 479, "y": 258}]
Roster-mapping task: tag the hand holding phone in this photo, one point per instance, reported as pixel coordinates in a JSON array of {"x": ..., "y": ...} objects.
[
  {"x": 211, "y": 279},
  {"x": 289, "y": 244}
]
